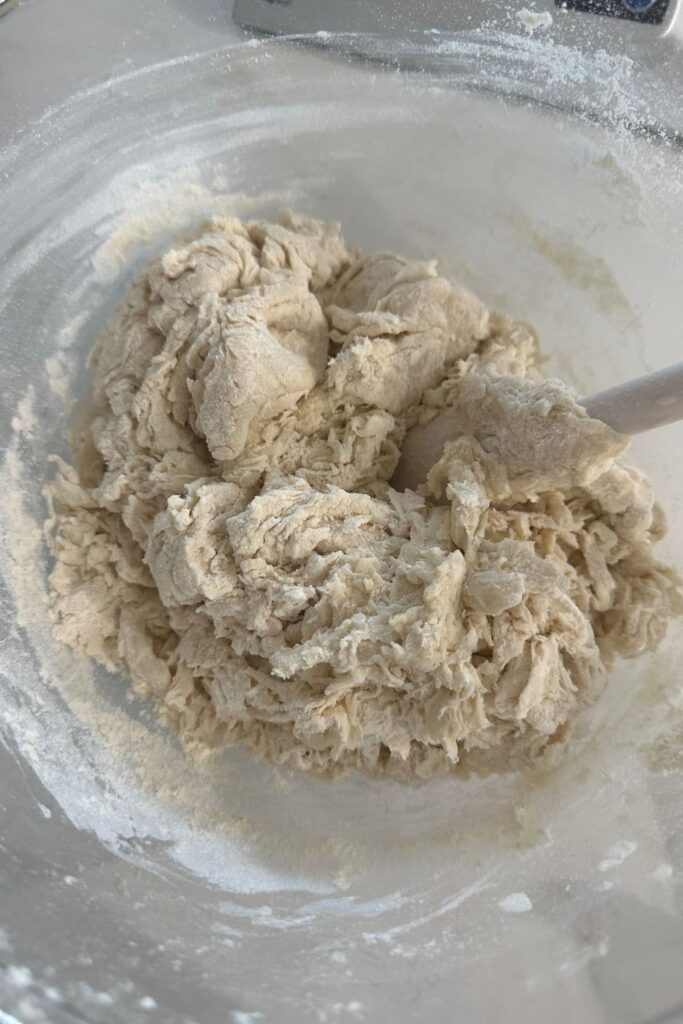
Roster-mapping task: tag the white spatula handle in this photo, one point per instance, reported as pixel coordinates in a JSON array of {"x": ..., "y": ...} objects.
[
  {"x": 641, "y": 404},
  {"x": 631, "y": 408}
]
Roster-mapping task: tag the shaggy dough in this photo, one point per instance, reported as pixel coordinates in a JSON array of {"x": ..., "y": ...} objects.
[{"x": 228, "y": 538}]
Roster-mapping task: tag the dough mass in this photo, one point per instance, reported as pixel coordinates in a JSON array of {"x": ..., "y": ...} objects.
[{"x": 228, "y": 538}]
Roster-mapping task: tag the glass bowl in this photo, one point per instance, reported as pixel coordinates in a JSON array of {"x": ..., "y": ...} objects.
[{"x": 138, "y": 886}]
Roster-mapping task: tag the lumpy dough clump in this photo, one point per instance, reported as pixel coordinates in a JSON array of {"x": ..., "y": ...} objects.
[{"x": 228, "y": 537}]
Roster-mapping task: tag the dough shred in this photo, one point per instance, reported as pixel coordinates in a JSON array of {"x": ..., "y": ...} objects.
[{"x": 228, "y": 538}]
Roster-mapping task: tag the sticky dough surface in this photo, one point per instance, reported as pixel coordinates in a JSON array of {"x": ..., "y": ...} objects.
[{"x": 228, "y": 538}]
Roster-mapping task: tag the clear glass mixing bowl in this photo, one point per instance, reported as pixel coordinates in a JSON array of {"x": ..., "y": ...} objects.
[{"x": 136, "y": 886}]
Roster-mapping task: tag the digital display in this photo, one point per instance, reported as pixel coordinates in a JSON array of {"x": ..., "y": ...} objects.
[{"x": 652, "y": 12}]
